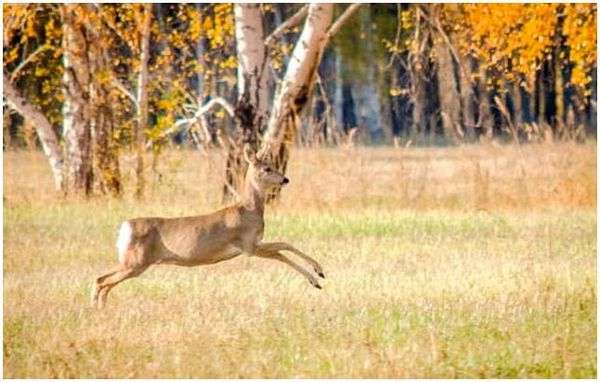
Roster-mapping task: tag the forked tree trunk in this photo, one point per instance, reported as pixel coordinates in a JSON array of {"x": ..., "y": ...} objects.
[
  {"x": 46, "y": 134},
  {"x": 251, "y": 108},
  {"x": 297, "y": 83},
  {"x": 142, "y": 99},
  {"x": 296, "y": 86},
  {"x": 76, "y": 80}
]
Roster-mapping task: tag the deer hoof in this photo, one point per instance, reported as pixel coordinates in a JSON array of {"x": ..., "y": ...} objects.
[{"x": 321, "y": 275}]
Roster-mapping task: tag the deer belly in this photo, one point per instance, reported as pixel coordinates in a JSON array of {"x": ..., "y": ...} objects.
[
  {"x": 201, "y": 256},
  {"x": 223, "y": 255}
]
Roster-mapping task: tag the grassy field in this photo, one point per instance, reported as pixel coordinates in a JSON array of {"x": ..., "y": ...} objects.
[{"x": 459, "y": 262}]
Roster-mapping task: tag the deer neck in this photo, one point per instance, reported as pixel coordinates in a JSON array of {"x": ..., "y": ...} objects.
[{"x": 253, "y": 199}]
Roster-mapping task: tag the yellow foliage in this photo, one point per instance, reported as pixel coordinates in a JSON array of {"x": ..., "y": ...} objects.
[
  {"x": 580, "y": 30},
  {"x": 221, "y": 26},
  {"x": 521, "y": 34},
  {"x": 515, "y": 39},
  {"x": 229, "y": 63}
]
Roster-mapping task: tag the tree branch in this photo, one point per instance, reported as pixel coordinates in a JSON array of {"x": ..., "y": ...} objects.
[
  {"x": 342, "y": 19},
  {"x": 199, "y": 116},
  {"x": 287, "y": 24},
  {"x": 117, "y": 84},
  {"x": 48, "y": 137},
  {"x": 29, "y": 58},
  {"x": 112, "y": 27},
  {"x": 205, "y": 109},
  {"x": 396, "y": 39}
]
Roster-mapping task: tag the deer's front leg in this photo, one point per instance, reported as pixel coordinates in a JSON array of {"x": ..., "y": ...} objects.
[
  {"x": 267, "y": 254},
  {"x": 281, "y": 246}
]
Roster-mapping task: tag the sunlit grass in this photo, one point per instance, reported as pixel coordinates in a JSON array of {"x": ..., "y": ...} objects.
[{"x": 458, "y": 285}]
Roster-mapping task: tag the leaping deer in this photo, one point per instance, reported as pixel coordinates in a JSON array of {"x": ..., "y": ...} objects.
[{"x": 204, "y": 239}]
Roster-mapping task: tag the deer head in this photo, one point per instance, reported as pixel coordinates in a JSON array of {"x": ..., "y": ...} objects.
[{"x": 261, "y": 175}]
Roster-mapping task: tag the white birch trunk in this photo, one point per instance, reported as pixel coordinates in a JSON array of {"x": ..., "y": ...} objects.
[
  {"x": 43, "y": 128},
  {"x": 76, "y": 113},
  {"x": 253, "y": 92},
  {"x": 298, "y": 81},
  {"x": 252, "y": 60}
]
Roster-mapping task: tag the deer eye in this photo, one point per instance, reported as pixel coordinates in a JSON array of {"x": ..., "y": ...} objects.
[{"x": 268, "y": 169}]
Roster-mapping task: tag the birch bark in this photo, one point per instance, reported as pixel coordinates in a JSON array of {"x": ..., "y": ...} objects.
[
  {"x": 253, "y": 92},
  {"x": 76, "y": 113},
  {"x": 296, "y": 85},
  {"x": 48, "y": 138}
]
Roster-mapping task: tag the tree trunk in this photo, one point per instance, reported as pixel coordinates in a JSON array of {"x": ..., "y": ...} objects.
[
  {"x": 142, "y": 100},
  {"x": 200, "y": 49},
  {"x": 338, "y": 97},
  {"x": 486, "y": 120},
  {"x": 43, "y": 128},
  {"x": 560, "y": 113},
  {"x": 252, "y": 60},
  {"x": 7, "y": 142},
  {"x": 517, "y": 97},
  {"x": 593, "y": 114},
  {"x": 76, "y": 80},
  {"x": 104, "y": 146},
  {"x": 420, "y": 97},
  {"x": 448, "y": 92},
  {"x": 541, "y": 96},
  {"x": 468, "y": 98},
  {"x": 296, "y": 86},
  {"x": 253, "y": 92}
]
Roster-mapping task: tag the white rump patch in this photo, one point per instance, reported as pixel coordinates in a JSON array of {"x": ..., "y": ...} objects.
[{"x": 124, "y": 240}]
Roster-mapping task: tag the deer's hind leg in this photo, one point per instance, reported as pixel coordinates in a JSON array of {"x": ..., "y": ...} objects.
[
  {"x": 111, "y": 281},
  {"x": 281, "y": 246},
  {"x": 274, "y": 255},
  {"x": 96, "y": 286}
]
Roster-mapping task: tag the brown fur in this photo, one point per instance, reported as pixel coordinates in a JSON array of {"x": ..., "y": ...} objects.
[{"x": 205, "y": 239}]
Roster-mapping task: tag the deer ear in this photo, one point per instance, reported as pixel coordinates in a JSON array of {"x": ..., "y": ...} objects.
[{"x": 249, "y": 154}]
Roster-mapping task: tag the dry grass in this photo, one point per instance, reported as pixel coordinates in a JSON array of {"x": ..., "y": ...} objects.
[{"x": 463, "y": 262}]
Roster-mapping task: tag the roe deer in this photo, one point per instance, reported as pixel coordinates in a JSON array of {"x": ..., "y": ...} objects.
[{"x": 204, "y": 239}]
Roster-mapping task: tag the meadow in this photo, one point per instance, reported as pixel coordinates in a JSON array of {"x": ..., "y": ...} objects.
[{"x": 472, "y": 261}]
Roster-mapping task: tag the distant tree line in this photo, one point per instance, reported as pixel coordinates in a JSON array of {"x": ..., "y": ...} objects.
[
  {"x": 87, "y": 81},
  {"x": 453, "y": 73}
]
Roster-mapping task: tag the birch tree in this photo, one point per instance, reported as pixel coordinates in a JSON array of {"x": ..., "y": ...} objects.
[
  {"x": 296, "y": 86},
  {"x": 76, "y": 111},
  {"x": 45, "y": 131},
  {"x": 134, "y": 31},
  {"x": 251, "y": 107}
]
